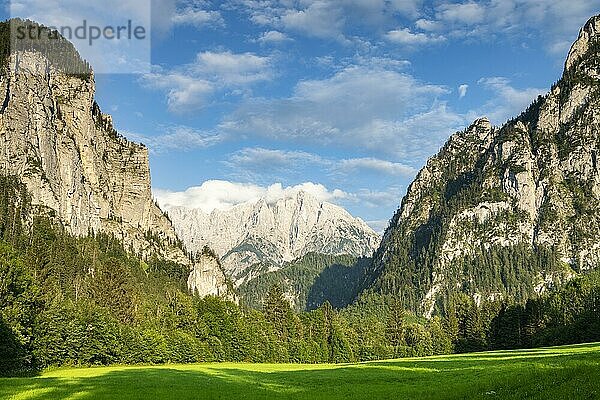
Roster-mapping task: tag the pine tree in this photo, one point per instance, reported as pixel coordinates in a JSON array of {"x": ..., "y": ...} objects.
[{"x": 395, "y": 325}]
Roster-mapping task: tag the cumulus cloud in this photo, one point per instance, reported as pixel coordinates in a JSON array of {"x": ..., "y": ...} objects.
[
  {"x": 223, "y": 195},
  {"x": 462, "y": 90},
  {"x": 167, "y": 14},
  {"x": 324, "y": 18},
  {"x": 406, "y": 37},
  {"x": 465, "y": 13},
  {"x": 428, "y": 25},
  {"x": 554, "y": 22},
  {"x": 198, "y": 18},
  {"x": 273, "y": 37},
  {"x": 190, "y": 87},
  {"x": 183, "y": 91},
  {"x": 232, "y": 69},
  {"x": 319, "y": 19}
]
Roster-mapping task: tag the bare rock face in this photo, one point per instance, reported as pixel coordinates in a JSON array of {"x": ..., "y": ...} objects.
[
  {"x": 55, "y": 138},
  {"x": 205, "y": 281},
  {"x": 274, "y": 233},
  {"x": 529, "y": 187},
  {"x": 70, "y": 157}
]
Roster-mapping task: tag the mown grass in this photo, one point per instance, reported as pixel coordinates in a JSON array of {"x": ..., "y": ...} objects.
[{"x": 569, "y": 372}]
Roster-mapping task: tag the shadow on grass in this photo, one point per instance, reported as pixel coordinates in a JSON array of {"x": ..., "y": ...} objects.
[{"x": 533, "y": 377}]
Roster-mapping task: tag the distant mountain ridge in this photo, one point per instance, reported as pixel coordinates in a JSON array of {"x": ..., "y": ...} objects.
[
  {"x": 504, "y": 212},
  {"x": 273, "y": 232}
]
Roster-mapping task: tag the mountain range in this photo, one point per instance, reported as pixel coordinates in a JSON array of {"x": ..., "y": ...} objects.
[
  {"x": 273, "y": 232},
  {"x": 76, "y": 167}
]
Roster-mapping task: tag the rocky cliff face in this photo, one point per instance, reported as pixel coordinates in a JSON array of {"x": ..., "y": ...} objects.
[
  {"x": 70, "y": 157},
  {"x": 203, "y": 279},
  {"x": 274, "y": 233},
  {"x": 520, "y": 203},
  {"x": 55, "y": 138}
]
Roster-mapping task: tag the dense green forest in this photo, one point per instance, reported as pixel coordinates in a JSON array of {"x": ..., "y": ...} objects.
[
  {"x": 310, "y": 280},
  {"x": 86, "y": 301}
]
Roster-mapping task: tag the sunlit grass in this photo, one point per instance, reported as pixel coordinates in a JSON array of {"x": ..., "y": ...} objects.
[{"x": 570, "y": 372}]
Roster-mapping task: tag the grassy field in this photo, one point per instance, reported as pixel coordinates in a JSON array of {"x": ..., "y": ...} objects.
[{"x": 570, "y": 372}]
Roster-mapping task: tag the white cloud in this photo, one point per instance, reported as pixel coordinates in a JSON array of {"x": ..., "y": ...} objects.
[
  {"x": 231, "y": 68},
  {"x": 191, "y": 87},
  {"x": 462, "y": 90},
  {"x": 184, "y": 92},
  {"x": 198, "y": 18},
  {"x": 273, "y": 37},
  {"x": 554, "y": 22},
  {"x": 466, "y": 13},
  {"x": 176, "y": 138},
  {"x": 406, "y": 37},
  {"x": 376, "y": 165},
  {"x": 319, "y": 19},
  {"x": 325, "y": 18},
  {"x": 428, "y": 25},
  {"x": 167, "y": 14},
  {"x": 508, "y": 102},
  {"x": 358, "y": 107},
  {"x": 223, "y": 195}
]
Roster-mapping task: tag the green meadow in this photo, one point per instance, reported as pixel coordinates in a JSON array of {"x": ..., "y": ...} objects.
[{"x": 568, "y": 372}]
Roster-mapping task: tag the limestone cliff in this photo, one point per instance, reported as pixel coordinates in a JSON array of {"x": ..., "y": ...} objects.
[
  {"x": 73, "y": 162},
  {"x": 505, "y": 212},
  {"x": 203, "y": 278}
]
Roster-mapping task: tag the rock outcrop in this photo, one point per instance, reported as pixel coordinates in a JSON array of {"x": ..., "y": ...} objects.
[
  {"x": 273, "y": 233},
  {"x": 203, "y": 279},
  {"x": 527, "y": 193}
]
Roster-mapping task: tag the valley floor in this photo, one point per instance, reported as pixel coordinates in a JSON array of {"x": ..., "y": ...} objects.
[{"x": 568, "y": 372}]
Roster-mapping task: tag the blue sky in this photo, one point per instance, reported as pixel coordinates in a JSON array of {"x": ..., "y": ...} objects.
[{"x": 347, "y": 98}]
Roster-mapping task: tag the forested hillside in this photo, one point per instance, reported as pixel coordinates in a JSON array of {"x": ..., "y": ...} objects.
[
  {"x": 86, "y": 301},
  {"x": 308, "y": 281}
]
